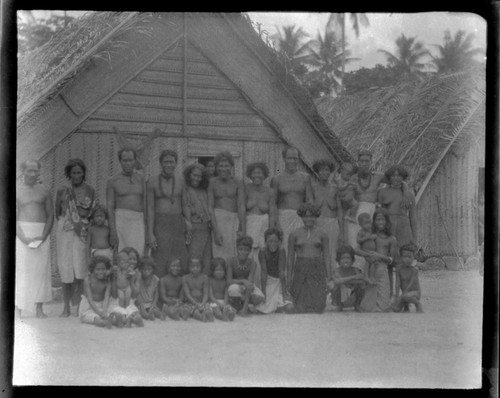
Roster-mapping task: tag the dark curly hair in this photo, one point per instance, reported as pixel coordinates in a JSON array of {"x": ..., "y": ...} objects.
[
  {"x": 216, "y": 261},
  {"x": 223, "y": 156},
  {"x": 273, "y": 231},
  {"x": 245, "y": 241},
  {"x": 129, "y": 250},
  {"x": 319, "y": 164},
  {"x": 409, "y": 247},
  {"x": 388, "y": 225},
  {"x": 145, "y": 261},
  {"x": 94, "y": 260},
  {"x": 309, "y": 208},
  {"x": 400, "y": 169},
  {"x": 168, "y": 152},
  {"x": 204, "y": 176},
  {"x": 286, "y": 149},
  {"x": 73, "y": 163},
  {"x": 343, "y": 250},
  {"x": 257, "y": 165}
]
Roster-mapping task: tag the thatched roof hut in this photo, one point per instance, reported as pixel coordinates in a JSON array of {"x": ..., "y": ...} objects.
[
  {"x": 436, "y": 129},
  {"x": 198, "y": 83}
]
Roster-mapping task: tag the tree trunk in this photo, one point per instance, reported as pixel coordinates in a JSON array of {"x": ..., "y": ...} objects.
[{"x": 343, "y": 54}]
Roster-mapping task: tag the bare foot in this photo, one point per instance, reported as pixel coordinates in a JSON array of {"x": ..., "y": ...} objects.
[{"x": 66, "y": 313}]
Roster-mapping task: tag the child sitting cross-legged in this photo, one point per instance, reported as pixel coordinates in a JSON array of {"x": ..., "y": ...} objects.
[
  {"x": 218, "y": 291},
  {"x": 195, "y": 286},
  {"x": 240, "y": 274},
  {"x": 123, "y": 311},
  {"x": 349, "y": 282},
  {"x": 407, "y": 281},
  {"x": 172, "y": 294},
  {"x": 145, "y": 286},
  {"x": 93, "y": 308}
]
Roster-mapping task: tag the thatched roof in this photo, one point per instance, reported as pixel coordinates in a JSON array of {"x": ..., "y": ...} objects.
[
  {"x": 44, "y": 72},
  {"x": 415, "y": 124}
]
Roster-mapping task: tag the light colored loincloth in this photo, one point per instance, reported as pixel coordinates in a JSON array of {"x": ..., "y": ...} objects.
[
  {"x": 227, "y": 223},
  {"x": 332, "y": 229},
  {"x": 71, "y": 254},
  {"x": 130, "y": 229},
  {"x": 33, "y": 273},
  {"x": 289, "y": 221},
  {"x": 237, "y": 290},
  {"x": 257, "y": 224},
  {"x": 274, "y": 296},
  {"x": 114, "y": 307},
  {"x": 86, "y": 313}
]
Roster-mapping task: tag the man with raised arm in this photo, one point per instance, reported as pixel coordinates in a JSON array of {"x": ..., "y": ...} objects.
[
  {"x": 125, "y": 197},
  {"x": 292, "y": 188}
]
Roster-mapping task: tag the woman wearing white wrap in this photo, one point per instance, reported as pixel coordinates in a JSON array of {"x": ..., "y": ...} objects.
[
  {"x": 74, "y": 205},
  {"x": 260, "y": 209},
  {"x": 34, "y": 220}
]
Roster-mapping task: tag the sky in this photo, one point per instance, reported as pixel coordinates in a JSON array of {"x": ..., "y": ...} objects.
[{"x": 382, "y": 32}]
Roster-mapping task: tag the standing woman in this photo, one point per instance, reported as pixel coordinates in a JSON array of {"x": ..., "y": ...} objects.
[
  {"x": 326, "y": 199},
  {"x": 261, "y": 210},
  {"x": 308, "y": 263},
  {"x": 402, "y": 212},
  {"x": 73, "y": 209},
  {"x": 34, "y": 221},
  {"x": 199, "y": 235}
]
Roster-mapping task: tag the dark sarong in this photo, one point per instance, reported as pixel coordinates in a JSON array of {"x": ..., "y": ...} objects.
[
  {"x": 201, "y": 245},
  {"x": 169, "y": 230},
  {"x": 309, "y": 285}
]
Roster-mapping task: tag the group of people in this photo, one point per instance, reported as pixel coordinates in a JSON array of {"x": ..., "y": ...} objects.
[{"x": 209, "y": 245}]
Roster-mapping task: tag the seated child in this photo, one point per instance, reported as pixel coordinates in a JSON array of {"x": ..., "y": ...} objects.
[
  {"x": 407, "y": 280},
  {"x": 348, "y": 281},
  {"x": 195, "y": 286},
  {"x": 93, "y": 307},
  {"x": 133, "y": 260},
  {"x": 217, "y": 291},
  {"x": 146, "y": 290},
  {"x": 123, "y": 311},
  {"x": 172, "y": 294},
  {"x": 240, "y": 274},
  {"x": 366, "y": 240},
  {"x": 98, "y": 235},
  {"x": 347, "y": 190},
  {"x": 273, "y": 269}
]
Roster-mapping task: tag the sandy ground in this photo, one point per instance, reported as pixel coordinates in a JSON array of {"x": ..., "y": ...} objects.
[{"x": 440, "y": 348}]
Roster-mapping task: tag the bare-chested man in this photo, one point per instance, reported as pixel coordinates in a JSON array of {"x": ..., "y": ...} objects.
[
  {"x": 166, "y": 222},
  {"x": 34, "y": 220},
  {"x": 125, "y": 196},
  {"x": 292, "y": 189},
  {"x": 226, "y": 203}
]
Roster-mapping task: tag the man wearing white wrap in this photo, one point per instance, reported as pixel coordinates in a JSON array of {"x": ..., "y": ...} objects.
[
  {"x": 34, "y": 220},
  {"x": 292, "y": 189},
  {"x": 226, "y": 203},
  {"x": 125, "y": 202}
]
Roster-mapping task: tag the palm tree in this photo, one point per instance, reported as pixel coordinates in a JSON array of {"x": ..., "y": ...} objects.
[
  {"x": 290, "y": 44},
  {"x": 407, "y": 60},
  {"x": 338, "y": 20},
  {"x": 456, "y": 53},
  {"x": 326, "y": 59}
]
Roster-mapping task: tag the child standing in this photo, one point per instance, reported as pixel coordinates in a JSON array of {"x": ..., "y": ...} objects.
[
  {"x": 146, "y": 290},
  {"x": 347, "y": 190},
  {"x": 407, "y": 280},
  {"x": 195, "y": 286},
  {"x": 348, "y": 281},
  {"x": 240, "y": 274},
  {"x": 98, "y": 235},
  {"x": 217, "y": 291},
  {"x": 171, "y": 292},
  {"x": 273, "y": 273},
  {"x": 95, "y": 299},
  {"x": 123, "y": 311}
]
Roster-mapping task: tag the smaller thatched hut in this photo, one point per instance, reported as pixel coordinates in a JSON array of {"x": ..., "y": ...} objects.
[{"x": 435, "y": 128}]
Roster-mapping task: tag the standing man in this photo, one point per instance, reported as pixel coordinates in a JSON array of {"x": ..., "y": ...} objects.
[
  {"x": 166, "y": 222},
  {"x": 125, "y": 198},
  {"x": 292, "y": 189},
  {"x": 226, "y": 203},
  {"x": 34, "y": 220}
]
